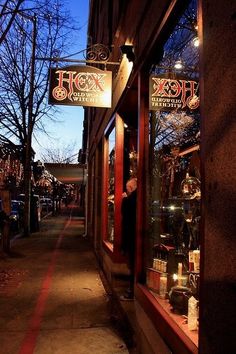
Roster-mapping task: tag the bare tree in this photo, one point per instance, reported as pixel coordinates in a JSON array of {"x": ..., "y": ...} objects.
[
  {"x": 60, "y": 154},
  {"x": 33, "y": 35},
  {"x": 8, "y": 12}
]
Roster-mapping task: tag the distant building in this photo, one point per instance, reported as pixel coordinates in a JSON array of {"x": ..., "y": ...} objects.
[{"x": 11, "y": 168}]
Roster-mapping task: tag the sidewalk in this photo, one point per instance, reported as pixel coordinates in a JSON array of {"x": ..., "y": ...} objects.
[{"x": 52, "y": 297}]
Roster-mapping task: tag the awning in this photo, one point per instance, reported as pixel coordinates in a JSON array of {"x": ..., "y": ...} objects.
[{"x": 68, "y": 173}]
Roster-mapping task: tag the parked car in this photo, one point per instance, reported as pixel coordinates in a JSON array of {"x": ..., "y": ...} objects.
[{"x": 46, "y": 204}]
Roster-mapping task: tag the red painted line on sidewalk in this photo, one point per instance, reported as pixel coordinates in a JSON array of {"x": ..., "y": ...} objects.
[{"x": 29, "y": 341}]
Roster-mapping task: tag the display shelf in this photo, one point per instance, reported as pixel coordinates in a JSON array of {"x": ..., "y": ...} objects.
[{"x": 180, "y": 320}]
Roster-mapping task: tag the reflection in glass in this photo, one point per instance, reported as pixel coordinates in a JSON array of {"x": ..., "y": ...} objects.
[
  {"x": 173, "y": 246},
  {"x": 111, "y": 185},
  {"x": 130, "y": 153}
]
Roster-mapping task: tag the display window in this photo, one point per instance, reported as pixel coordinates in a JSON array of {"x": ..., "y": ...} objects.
[
  {"x": 120, "y": 164},
  {"x": 130, "y": 153},
  {"x": 109, "y": 188},
  {"x": 113, "y": 158},
  {"x": 111, "y": 185},
  {"x": 174, "y": 194}
]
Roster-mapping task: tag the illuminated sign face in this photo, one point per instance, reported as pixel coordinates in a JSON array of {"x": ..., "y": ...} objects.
[
  {"x": 80, "y": 86},
  {"x": 170, "y": 94}
]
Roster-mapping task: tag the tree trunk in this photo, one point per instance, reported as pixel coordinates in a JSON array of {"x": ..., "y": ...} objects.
[
  {"x": 27, "y": 164},
  {"x": 27, "y": 188},
  {"x": 6, "y": 207}
]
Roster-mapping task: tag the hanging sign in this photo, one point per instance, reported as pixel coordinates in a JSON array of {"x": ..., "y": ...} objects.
[
  {"x": 171, "y": 93},
  {"x": 80, "y": 86}
]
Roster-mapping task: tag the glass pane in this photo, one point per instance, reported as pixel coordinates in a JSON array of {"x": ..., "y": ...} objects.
[
  {"x": 111, "y": 185},
  {"x": 173, "y": 245},
  {"x": 130, "y": 153}
]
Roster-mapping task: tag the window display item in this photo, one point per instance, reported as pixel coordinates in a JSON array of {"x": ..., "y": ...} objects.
[
  {"x": 164, "y": 259},
  {"x": 196, "y": 260},
  {"x": 190, "y": 261},
  {"x": 190, "y": 187},
  {"x": 153, "y": 279},
  {"x": 178, "y": 298},
  {"x": 192, "y": 314},
  {"x": 159, "y": 265},
  {"x": 194, "y": 279},
  {"x": 163, "y": 286},
  {"x": 180, "y": 270}
]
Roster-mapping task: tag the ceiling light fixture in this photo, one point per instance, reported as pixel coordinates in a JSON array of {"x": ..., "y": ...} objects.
[
  {"x": 196, "y": 42},
  {"x": 178, "y": 65}
]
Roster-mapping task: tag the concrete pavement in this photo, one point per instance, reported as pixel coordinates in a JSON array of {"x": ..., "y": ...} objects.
[{"x": 52, "y": 298}]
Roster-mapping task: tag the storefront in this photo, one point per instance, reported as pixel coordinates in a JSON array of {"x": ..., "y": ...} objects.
[{"x": 158, "y": 131}]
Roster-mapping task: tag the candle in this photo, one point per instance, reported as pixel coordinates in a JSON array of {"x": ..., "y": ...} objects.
[
  {"x": 163, "y": 286},
  {"x": 196, "y": 260},
  {"x": 180, "y": 271},
  {"x": 175, "y": 277}
]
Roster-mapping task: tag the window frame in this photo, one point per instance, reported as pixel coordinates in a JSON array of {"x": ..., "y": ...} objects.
[{"x": 113, "y": 248}]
